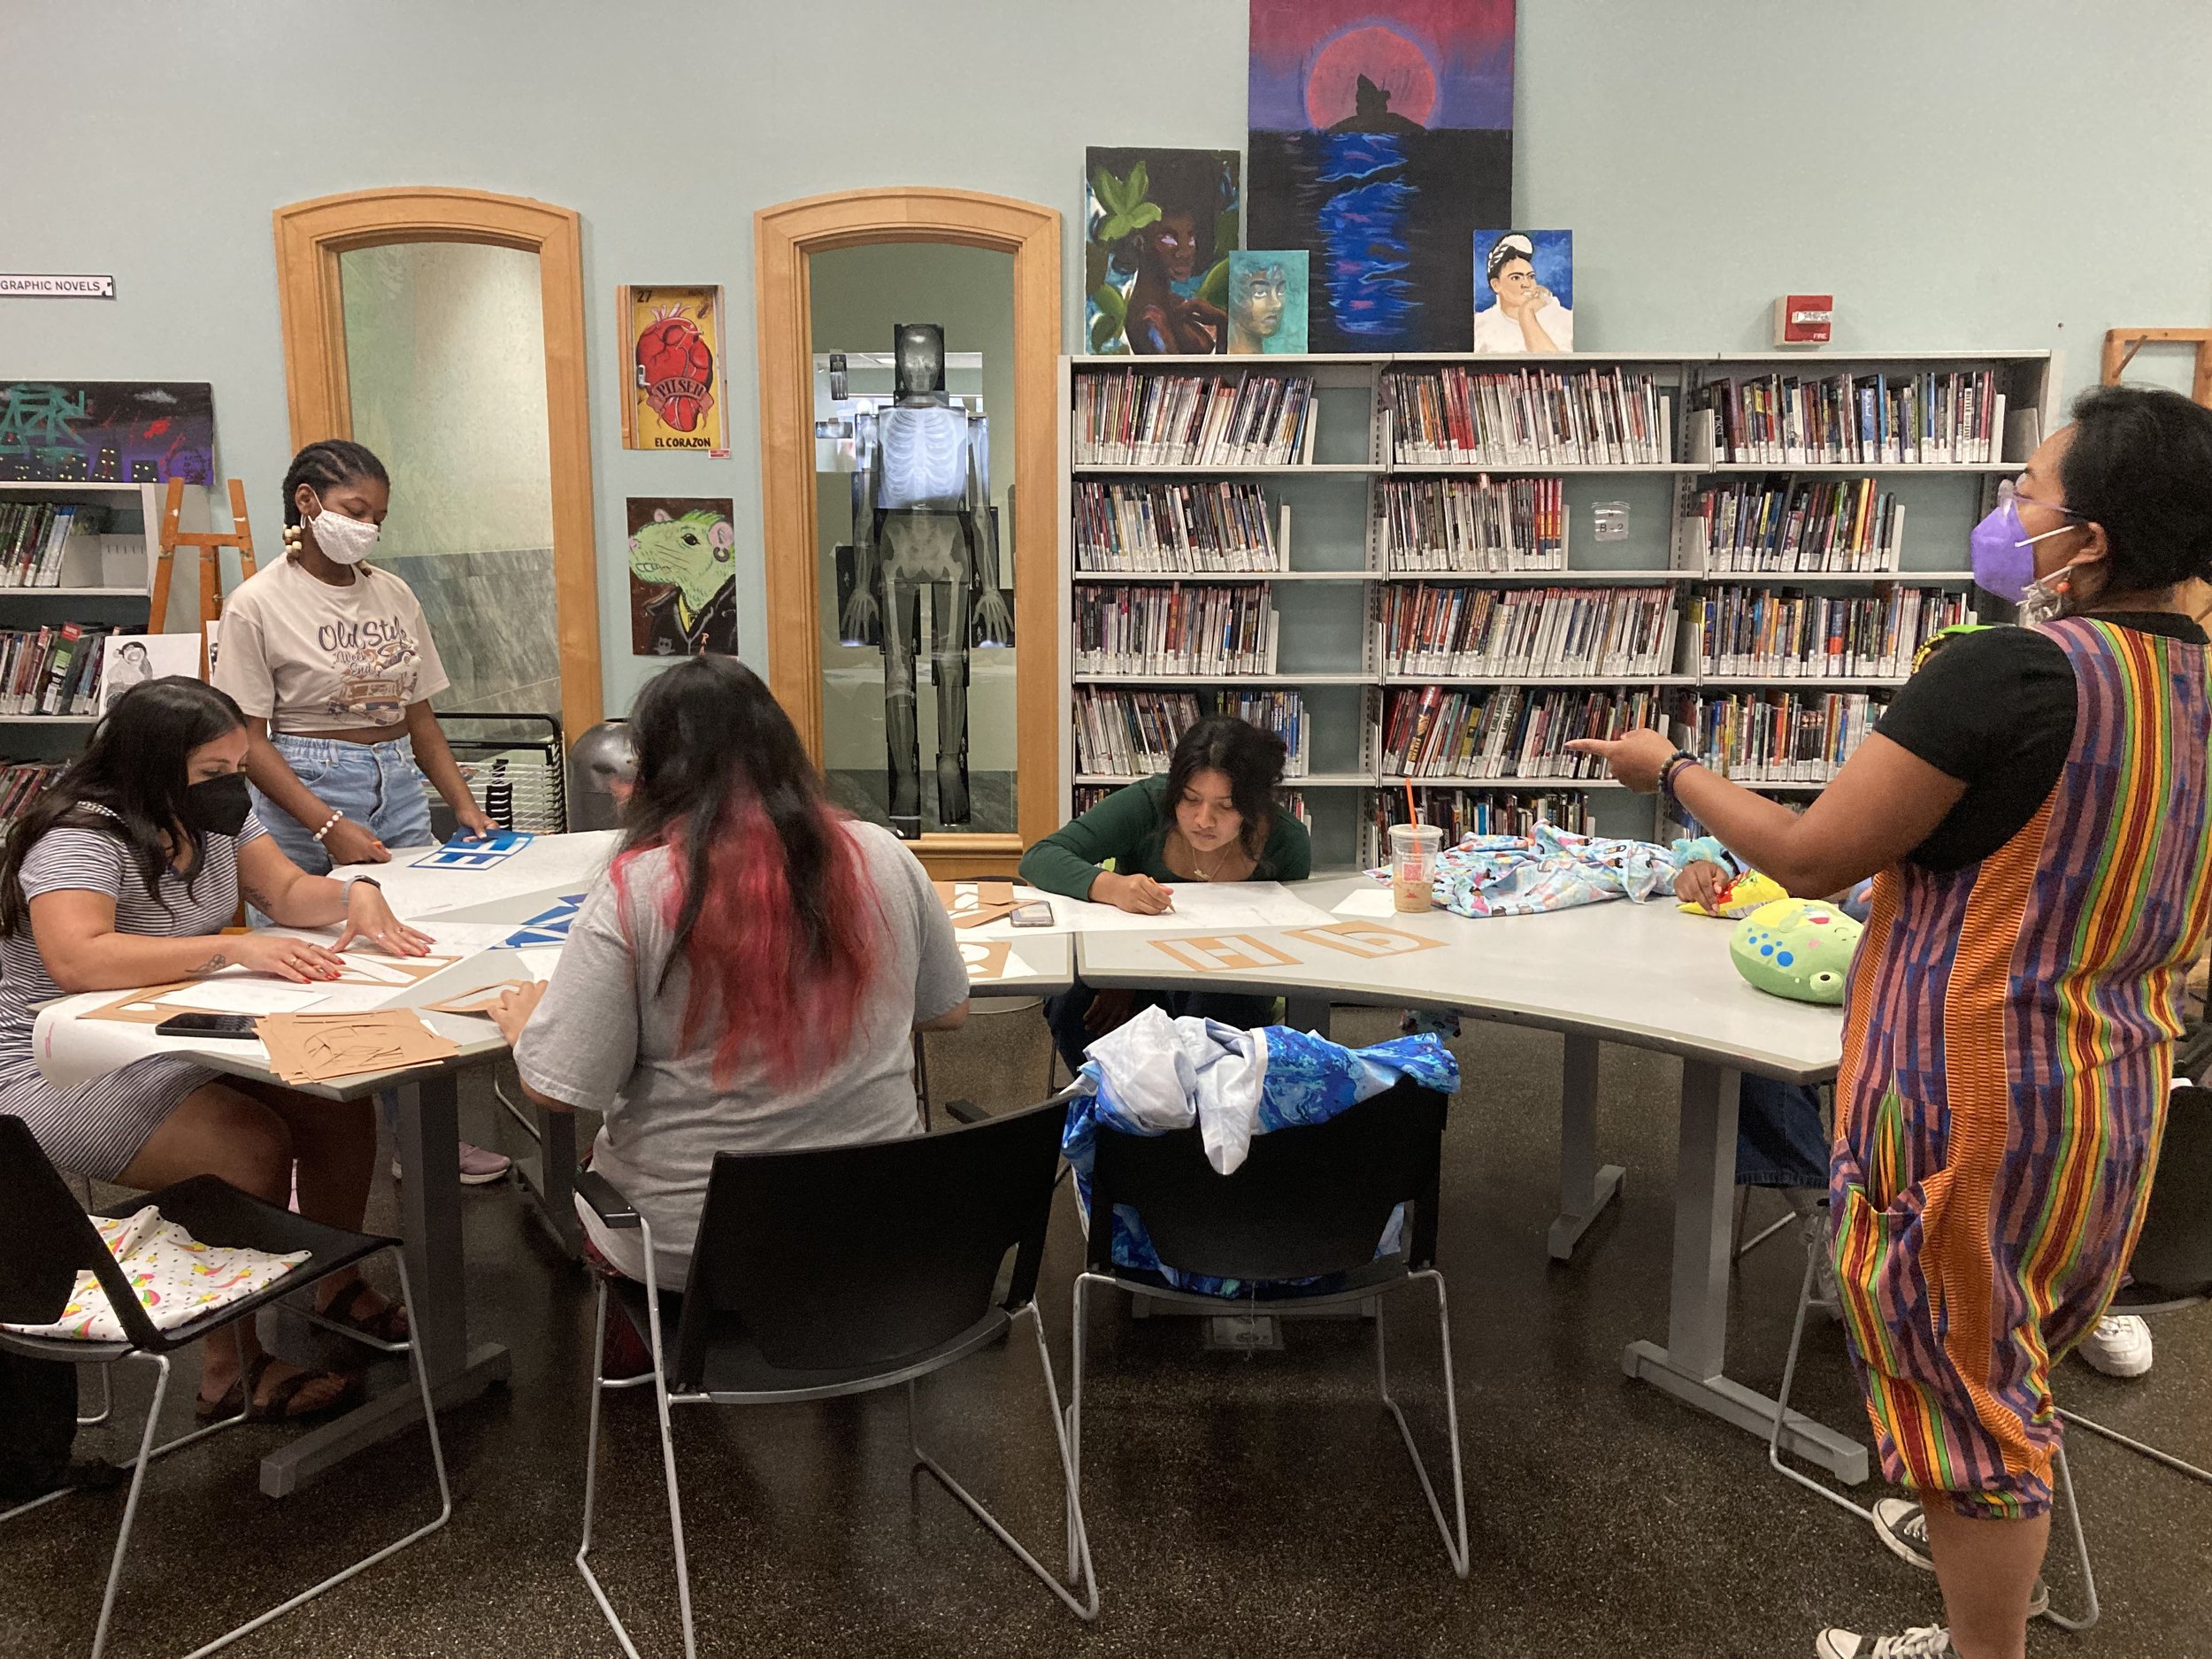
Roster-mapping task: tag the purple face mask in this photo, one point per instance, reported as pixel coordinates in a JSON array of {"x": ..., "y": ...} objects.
[{"x": 2004, "y": 552}]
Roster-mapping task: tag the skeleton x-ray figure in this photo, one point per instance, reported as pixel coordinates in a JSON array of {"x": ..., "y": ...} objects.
[{"x": 922, "y": 520}]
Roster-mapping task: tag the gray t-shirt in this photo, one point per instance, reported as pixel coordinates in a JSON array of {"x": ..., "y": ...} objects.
[{"x": 607, "y": 1038}]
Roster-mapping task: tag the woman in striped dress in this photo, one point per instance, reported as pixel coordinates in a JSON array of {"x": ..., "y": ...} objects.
[
  {"x": 2033, "y": 806},
  {"x": 125, "y": 873}
]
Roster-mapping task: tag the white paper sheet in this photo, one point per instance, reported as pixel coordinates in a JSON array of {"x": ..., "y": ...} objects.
[
  {"x": 539, "y": 961},
  {"x": 1198, "y": 905},
  {"x": 573, "y": 862},
  {"x": 227, "y": 995},
  {"x": 379, "y": 969},
  {"x": 1374, "y": 901}
]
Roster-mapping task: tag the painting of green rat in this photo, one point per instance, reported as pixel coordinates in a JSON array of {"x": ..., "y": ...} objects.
[{"x": 683, "y": 577}]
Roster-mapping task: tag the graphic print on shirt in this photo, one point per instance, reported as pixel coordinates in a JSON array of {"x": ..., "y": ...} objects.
[{"x": 377, "y": 663}]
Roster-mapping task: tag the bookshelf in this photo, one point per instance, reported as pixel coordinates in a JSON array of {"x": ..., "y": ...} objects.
[
  {"x": 1614, "y": 499},
  {"x": 100, "y": 578}
]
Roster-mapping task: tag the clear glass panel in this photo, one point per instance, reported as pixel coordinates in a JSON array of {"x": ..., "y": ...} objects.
[
  {"x": 914, "y": 499},
  {"x": 445, "y": 363}
]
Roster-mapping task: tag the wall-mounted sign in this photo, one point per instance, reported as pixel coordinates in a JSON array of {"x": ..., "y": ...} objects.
[{"x": 56, "y": 288}]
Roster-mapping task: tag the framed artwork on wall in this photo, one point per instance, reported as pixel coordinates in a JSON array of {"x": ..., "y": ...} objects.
[
  {"x": 117, "y": 432},
  {"x": 672, "y": 343},
  {"x": 683, "y": 576}
]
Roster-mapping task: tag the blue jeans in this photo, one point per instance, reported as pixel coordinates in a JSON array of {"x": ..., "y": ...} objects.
[
  {"x": 377, "y": 786},
  {"x": 1780, "y": 1140}
]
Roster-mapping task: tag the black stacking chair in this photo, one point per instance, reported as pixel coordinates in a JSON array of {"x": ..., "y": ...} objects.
[
  {"x": 1309, "y": 1202},
  {"x": 843, "y": 1271},
  {"x": 2171, "y": 1269},
  {"x": 50, "y": 1241}
]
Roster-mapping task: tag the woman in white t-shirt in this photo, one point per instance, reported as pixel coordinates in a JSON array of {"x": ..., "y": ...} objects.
[{"x": 332, "y": 661}]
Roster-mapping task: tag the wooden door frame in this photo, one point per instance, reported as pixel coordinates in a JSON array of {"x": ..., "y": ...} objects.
[
  {"x": 784, "y": 238},
  {"x": 310, "y": 238}
]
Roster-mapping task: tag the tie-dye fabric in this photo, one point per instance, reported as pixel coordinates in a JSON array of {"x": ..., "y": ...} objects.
[
  {"x": 1307, "y": 1079},
  {"x": 1547, "y": 869},
  {"x": 2008, "y": 1045}
]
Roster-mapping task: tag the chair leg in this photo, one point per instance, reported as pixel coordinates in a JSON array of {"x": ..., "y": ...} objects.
[
  {"x": 1075, "y": 1415},
  {"x": 1080, "y": 1577},
  {"x": 2150, "y": 1452},
  {"x": 107, "y": 1401},
  {"x": 2081, "y": 1553},
  {"x": 130, "y": 1504},
  {"x": 599, "y": 1386},
  {"x": 1454, "y": 1541},
  {"x": 1781, "y": 1401},
  {"x": 445, "y": 1504}
]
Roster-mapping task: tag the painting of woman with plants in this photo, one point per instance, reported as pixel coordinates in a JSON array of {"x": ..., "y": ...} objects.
[{"x": 1159, "y": 227}]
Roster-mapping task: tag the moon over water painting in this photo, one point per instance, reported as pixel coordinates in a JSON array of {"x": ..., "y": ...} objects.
[{"x": 1381, "y": 138}]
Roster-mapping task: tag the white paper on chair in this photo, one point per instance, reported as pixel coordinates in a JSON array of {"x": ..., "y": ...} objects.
[
  {"x": 1375, "y": 902},
  {"x": 228, "y": 995},
  {"x": 1198, "y": 905}
]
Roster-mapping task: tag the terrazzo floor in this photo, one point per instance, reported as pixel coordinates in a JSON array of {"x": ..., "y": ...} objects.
[{"x": 1239, "y": 1503}]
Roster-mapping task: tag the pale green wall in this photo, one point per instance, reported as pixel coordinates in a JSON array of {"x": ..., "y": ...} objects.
[{"x": 2002, "y": 172}]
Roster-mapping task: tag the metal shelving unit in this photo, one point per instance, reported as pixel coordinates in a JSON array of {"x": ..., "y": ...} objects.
[{"x": 1337, "y": 547}]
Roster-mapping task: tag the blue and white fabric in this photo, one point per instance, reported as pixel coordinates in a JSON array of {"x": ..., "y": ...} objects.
[
  {"x": 1548, "y": 868},
  {"x": 1156, "y": 1074}
]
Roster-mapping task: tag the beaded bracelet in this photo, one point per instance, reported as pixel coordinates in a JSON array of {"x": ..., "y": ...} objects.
[
  {"x": 329, "y": 823},
  {"x": 1676, "y": 762}
]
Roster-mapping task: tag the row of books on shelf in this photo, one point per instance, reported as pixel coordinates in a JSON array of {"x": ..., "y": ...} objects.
[
  {"x": 20, "y": 782},
  {"x": 1175, "y": 630},
  {"x": 1459, "y": 812},
  {"x": 1517, "y": 631},
  {"x": 1132, "y": 733},
  {"x": 1224, "y": 526},
  {"x": 1513, "y": 731},
  {"x": 1465, "y": 524},
  {"x": 1291, "y": 801},
  {"x": 33, "y": 535},
  {"x": 1754, "y": 737},
  {"x": 1126, "y": 419},
  {"x": 1778, "y": 737},
  {"x": 51, "y": 670},
  {"x": 1932, "y": 418},
  {"x": 1777, "y": 632},
  {"x": 1593, "y": 417},
  {"x": 1829, "y": 524}
]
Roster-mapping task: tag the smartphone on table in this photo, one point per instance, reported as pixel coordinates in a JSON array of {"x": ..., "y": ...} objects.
[
  {"x": 1036, "y": 913},
  {"x": 232, "y": 1027}
]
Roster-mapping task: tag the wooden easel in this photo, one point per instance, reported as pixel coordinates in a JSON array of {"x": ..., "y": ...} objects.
[
  {"x": 2122, "y": 344},
  {"x": 211, "y": 543}
]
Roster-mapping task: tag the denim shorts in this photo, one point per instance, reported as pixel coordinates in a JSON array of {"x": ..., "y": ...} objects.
[{"x": 376, "y": 784}]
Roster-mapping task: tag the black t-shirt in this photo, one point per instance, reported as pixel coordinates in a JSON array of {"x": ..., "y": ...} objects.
[{"x": 1995, "y": 710}]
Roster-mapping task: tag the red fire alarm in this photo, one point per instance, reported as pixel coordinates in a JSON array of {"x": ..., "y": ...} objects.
[{"x": 1804, "y": 319}]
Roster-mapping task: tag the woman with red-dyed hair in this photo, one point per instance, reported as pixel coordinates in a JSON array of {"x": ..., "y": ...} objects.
[{"x": 750, "y": 976}]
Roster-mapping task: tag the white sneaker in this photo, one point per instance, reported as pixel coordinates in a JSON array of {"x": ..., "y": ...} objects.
[
  {"x": 1930, "y": 1641},
  {"x": 2119, "y": 1347}
]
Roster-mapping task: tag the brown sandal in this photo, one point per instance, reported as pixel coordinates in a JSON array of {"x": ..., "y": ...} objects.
[
  {"x": 388, "y": 1323},
  {"x": 240, "y": 1398}
]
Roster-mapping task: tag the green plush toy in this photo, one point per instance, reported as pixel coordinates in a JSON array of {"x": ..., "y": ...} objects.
[{"x": 1799, "y": 948}]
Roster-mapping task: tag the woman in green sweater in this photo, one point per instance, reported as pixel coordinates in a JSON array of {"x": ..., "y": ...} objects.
[{"x": 1213, "y": 817}]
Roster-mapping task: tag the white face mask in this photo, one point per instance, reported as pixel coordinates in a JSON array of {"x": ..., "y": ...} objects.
[
  {"x": 2045, "y": 599},
  {"x": 343, "y": 540}
]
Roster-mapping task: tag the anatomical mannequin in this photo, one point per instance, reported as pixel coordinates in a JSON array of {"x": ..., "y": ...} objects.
[{"x": 922, "y": 520}]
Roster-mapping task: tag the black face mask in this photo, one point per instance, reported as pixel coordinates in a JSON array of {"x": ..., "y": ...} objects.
[{"x": 218, "y": 806}]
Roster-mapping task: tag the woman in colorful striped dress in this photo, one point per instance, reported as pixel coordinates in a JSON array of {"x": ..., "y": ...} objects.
[{"x": 2033, "y": 806}]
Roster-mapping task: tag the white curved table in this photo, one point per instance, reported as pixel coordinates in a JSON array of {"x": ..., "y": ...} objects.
[{"x": 1646, "y": 975}]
